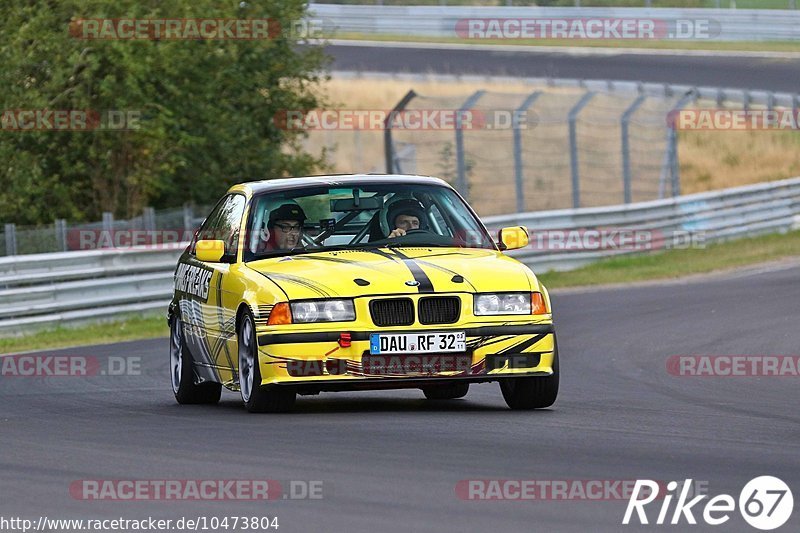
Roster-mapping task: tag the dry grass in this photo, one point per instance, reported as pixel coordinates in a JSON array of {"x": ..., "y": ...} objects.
[
  {"x": 709, "y": 160},
  {"x": 717, "y": 160}
]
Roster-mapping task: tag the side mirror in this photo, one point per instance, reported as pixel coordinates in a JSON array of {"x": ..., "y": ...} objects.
[
  {"x": 513, "y": 237},
  {"x": 209, "y": 251}
]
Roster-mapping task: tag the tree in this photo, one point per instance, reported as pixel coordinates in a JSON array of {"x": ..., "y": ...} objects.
[{"x": 205, "y": 107}]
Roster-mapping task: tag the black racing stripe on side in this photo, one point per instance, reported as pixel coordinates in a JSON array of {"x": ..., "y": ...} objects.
[
  {"x": 425, "y": 284},
  {"x": 482, "y": 342},
  {"x": 319, "y": 288},
  {"x": 333, "y": 336},
  {"x": 275, "y": 282},
  {"x": 522, "y": 345}
]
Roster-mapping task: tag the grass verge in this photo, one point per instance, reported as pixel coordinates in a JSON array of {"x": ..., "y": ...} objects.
[
  {"x": 125, "y": 329},
  {"x": 679, "y": 263}
]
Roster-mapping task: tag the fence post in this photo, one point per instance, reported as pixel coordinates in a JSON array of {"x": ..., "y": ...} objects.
[
  {"x": 675, "y": 167},
  {"x": 388, "y": 148},
  {"x": 188, "y": 217},
  {"x": 11, "y": 239},
  {"x": 61, "y": 234},
  {"x": 461, "y": 165},
  {"x": 149, "y": 219},
  {"x": 770, "y": 101},
  {"x": 523, "y": 108},
  {"x": 626, "y": 149},
  {"x": 670, "y": 164},
  {"x": 108, "y": 227},
  {"x": 573, "y": 147}
]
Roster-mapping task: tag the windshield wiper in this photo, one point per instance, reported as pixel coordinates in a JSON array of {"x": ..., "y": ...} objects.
[
  {"x": 300, "y": 251},
  {"x": 394, "y": 245}
]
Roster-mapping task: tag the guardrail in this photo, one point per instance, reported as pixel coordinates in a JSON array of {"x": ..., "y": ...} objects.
[
  {"x": 441, "y": 21},
  {"x": 677, "y": 222},
  {"x": 59, "y": 288}
]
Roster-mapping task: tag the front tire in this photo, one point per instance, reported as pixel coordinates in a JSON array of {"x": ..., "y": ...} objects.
[
  {"x": 186, "y": 391},
  {"x": 450, "y": 391},
  {"x": 532, "y": 392},
  {"x": 256, "y": 398}
]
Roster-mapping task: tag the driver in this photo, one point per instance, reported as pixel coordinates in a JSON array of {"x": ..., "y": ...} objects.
[
  {"x": 404, "y": 216},
  {"x": 284, "y": 229}
]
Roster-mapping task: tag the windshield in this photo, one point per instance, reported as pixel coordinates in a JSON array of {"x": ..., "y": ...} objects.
[{"x": 368, "y": 216}]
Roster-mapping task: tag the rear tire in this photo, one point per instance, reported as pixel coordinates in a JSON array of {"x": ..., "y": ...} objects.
[
  {"x": 532, "y": 392},
  {"x": 186, "y": 391},
  {"x": 256, "y": 398},
  {"x": 450, "y": 391}
]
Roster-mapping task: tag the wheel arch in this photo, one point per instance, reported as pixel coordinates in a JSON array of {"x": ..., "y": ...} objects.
[{"x": 243, "y": 306}]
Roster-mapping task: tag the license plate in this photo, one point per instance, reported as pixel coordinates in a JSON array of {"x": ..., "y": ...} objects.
[{"x": 435, "y": 342}]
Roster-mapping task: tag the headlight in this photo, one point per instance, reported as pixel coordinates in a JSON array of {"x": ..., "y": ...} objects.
[
  {"x": 323, "y": 311},
  {"x": 505, "y": 303}
]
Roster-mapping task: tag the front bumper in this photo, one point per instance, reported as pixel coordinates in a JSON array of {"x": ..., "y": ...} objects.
[{"x": 316, "y": 360}]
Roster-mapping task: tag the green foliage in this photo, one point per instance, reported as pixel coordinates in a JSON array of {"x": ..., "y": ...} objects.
[{"x": 206, "y": 108}]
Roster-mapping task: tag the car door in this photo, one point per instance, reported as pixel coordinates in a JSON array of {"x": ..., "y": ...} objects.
[{"x": 206, "y": 306}]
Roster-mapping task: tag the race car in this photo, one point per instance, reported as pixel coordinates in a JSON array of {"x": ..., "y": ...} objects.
[{"x": 299, "y": 286}]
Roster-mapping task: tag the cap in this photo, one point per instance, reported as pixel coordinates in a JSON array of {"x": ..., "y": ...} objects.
[{"x": 287, "y": 212}]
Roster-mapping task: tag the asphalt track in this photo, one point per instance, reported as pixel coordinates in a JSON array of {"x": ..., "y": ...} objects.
[
  {"x": 390, "y": 461},
  {"x": 774, "y": 74}
]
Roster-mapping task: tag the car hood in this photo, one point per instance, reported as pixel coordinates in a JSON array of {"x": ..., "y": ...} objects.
[{"x": 352, "y": 273}]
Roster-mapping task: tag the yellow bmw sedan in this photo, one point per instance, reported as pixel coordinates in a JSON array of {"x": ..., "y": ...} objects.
[{"x": 340, "y": 283}]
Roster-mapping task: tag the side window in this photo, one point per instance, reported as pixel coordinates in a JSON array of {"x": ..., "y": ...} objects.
[{"x": 224, "y": 223}]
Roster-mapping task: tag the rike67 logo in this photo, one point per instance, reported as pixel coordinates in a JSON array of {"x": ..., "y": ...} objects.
[{"x": 765, "y": 503}]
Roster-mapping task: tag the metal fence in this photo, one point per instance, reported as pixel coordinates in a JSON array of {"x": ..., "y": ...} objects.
[
  {"x": 44, "y": 290},
  {"x": 151, "y": 227},
  {"x": 564, "y": 143},
  {"x": 447, "y": 21},
  {"x": 573, "y": 143}
]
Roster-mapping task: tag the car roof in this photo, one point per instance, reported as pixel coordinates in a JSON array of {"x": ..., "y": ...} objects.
[{"x": 281, "y": 184}]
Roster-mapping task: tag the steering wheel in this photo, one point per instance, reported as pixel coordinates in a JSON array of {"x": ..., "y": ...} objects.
[{"x": 416, "y": 231}]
